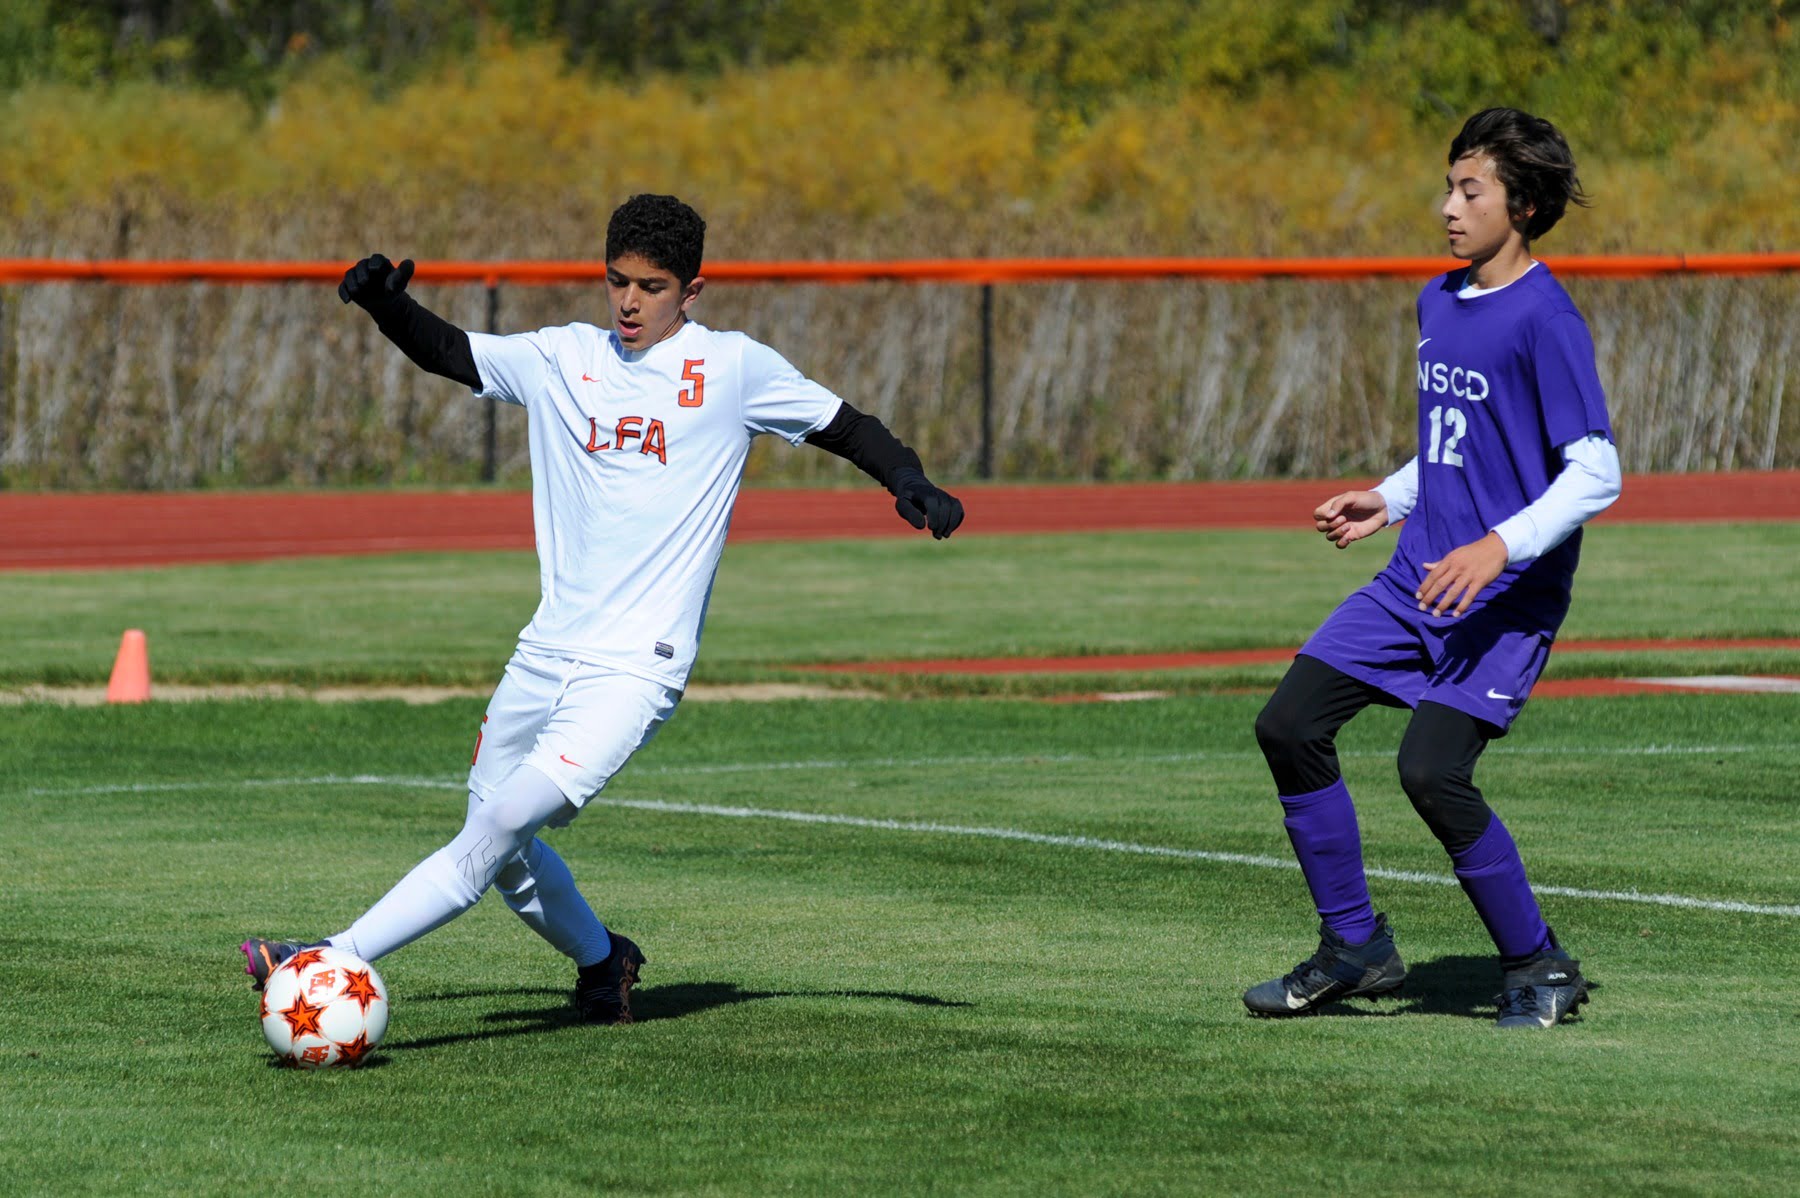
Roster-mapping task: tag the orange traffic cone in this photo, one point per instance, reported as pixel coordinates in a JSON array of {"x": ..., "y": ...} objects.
[{"x": 131, "y": 670}]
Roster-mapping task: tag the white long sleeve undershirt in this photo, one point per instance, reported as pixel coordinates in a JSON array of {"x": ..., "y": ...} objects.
[
  {"x": 1401, "y": 490},
  {"x": 1587, "y": 486}
]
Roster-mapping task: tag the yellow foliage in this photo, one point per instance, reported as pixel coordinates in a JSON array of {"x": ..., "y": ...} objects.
[
  {"x": 491, "y": 156},
  {"x": 65, "y": 146}
]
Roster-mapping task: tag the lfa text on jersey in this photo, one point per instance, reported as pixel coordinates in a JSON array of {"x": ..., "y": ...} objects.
[{"x": 650, "y": 438}]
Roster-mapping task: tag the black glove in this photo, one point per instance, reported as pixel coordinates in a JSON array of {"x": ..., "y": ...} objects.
[
  {"x": 920, "y": 504},
  {"x": 375, "y": 282}
]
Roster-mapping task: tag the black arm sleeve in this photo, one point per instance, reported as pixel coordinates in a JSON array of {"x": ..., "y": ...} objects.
[
  {"x": 867, "y": 444},
  {"x": 428, "y": 339}
]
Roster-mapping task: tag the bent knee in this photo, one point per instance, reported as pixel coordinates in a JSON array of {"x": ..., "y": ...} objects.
[
  {"x": 519, "y": 869},
  {"x": 1447, "y": 801},
  {"x": 1423, "y": 779},
  {"x": 1282, "y": 731},
  {"x": 1275, "y": 730}
]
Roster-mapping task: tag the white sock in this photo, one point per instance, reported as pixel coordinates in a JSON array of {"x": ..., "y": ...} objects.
[
  {"x": 539, "y": 888},
  {"x": 451, "y": 880},
  {"x": 429, "y": 897}
]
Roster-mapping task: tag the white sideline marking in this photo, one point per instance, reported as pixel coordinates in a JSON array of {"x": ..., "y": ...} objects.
[
  {"x": 1749, "y": 683},
  {"x": 989, "y": 833},
  {"x": 1153, "y": 850}
]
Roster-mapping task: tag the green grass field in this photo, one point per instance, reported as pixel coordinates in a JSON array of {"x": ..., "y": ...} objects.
[
  {"x": 941, "y": 945},
  {"x": 452, "y": 618}
]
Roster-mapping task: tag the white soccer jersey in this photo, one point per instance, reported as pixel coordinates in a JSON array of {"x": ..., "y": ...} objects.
[{"x": 635, "y": 463}]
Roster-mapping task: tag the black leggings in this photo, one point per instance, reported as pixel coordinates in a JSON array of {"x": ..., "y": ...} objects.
[{"x": 1298, "y": 733}]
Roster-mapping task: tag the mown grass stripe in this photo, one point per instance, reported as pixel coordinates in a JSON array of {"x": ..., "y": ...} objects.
[
  {"x": 1152, "y": 850},
  {"x": 846, "y": 763},
  {"x": 932, "y": 828}
]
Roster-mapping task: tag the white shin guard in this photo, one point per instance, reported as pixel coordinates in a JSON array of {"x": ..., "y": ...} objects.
[
  {"x": 451, "y": 880},
  {"x": 539, "y": 888}
]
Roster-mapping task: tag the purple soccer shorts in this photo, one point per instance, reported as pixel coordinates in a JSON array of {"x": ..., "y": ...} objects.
[{"x": 1484, "y": 663}]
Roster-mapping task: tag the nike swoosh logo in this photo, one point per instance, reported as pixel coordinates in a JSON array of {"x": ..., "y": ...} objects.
[
  {"x": 576, "y": 764},
  {"x": 1294, "y": 1001},
  {"x": 586, "y": 379},
  {"x": 1494, "y": 694},
  {"x": 1421, "y": 345}
]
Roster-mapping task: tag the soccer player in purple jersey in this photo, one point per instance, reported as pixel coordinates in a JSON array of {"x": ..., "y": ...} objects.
[{"x": 1515, "y": 454}]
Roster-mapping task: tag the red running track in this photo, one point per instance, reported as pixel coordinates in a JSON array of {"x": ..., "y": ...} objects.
[{"x": 58, "y": 531}]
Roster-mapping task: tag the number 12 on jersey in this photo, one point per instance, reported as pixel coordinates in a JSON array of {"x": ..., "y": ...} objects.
[{"x": 1457, "y": 424}]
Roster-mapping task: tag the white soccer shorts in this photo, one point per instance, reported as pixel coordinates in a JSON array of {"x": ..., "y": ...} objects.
[{"x": 575, "y": 723}]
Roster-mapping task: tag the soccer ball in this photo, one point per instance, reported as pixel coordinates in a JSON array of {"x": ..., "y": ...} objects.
[{"x": 324, "y": 1008}]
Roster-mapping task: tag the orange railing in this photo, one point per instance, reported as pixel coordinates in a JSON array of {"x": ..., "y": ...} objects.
[{"x": 947, "y": 270}]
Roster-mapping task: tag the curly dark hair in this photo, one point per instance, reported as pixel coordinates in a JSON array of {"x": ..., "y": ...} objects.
[
  {"x": 1531, "y": 158},
  {"x": 661, "y": 228}
]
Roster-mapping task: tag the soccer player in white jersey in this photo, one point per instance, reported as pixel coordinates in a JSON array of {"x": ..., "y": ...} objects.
[{"x": 638, "y": 437}]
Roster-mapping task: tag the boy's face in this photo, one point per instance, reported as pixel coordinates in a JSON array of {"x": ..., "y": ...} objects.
[
  {"x": 648, "y": 302},
  {"x": 1475, "y": 214}
]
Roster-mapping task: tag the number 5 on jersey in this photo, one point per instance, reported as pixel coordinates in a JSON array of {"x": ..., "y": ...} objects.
[{"x": 690, "y": 373}]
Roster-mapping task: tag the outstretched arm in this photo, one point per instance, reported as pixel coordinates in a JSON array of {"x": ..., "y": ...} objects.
[
  {"x": 379, "y": 287},
  {"x": 865, "y": 442}
]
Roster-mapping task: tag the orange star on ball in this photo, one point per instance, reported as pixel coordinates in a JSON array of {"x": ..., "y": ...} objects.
[
  {"x": 303, "y": 958},
  {"x": 361, "y": 987},
  {"x": 350, "y": 1055},
  {"x": 303, "y": 1017}
]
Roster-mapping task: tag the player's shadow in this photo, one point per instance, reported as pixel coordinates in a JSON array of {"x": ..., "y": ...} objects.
[
  {"x": 375, "y": 1060},
  {"x": 1457, "y": 985},
  {"x": 648, "y": 1003},
  {"x": 551, "y": 1015},
  {"x": 690, "y": 998}
]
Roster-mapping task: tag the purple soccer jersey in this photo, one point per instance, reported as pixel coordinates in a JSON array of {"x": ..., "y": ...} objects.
[{"x": 1505, "y": 380}]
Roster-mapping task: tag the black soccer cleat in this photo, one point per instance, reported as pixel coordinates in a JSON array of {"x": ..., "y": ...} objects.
[
  {"x": 1335, "y": 972},
  {"x": 603, "y": 989},
  {"x": 1541, "y": 991},
  {"x": 265, "y": 956}
]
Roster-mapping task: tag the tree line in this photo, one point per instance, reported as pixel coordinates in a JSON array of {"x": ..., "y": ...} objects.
[{"x": 1075, "y": 55}]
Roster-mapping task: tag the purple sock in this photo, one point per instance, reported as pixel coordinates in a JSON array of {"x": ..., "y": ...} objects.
[
  {"x": 1493, "y": 877},
  {"x": 1322, "y": 828}
]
